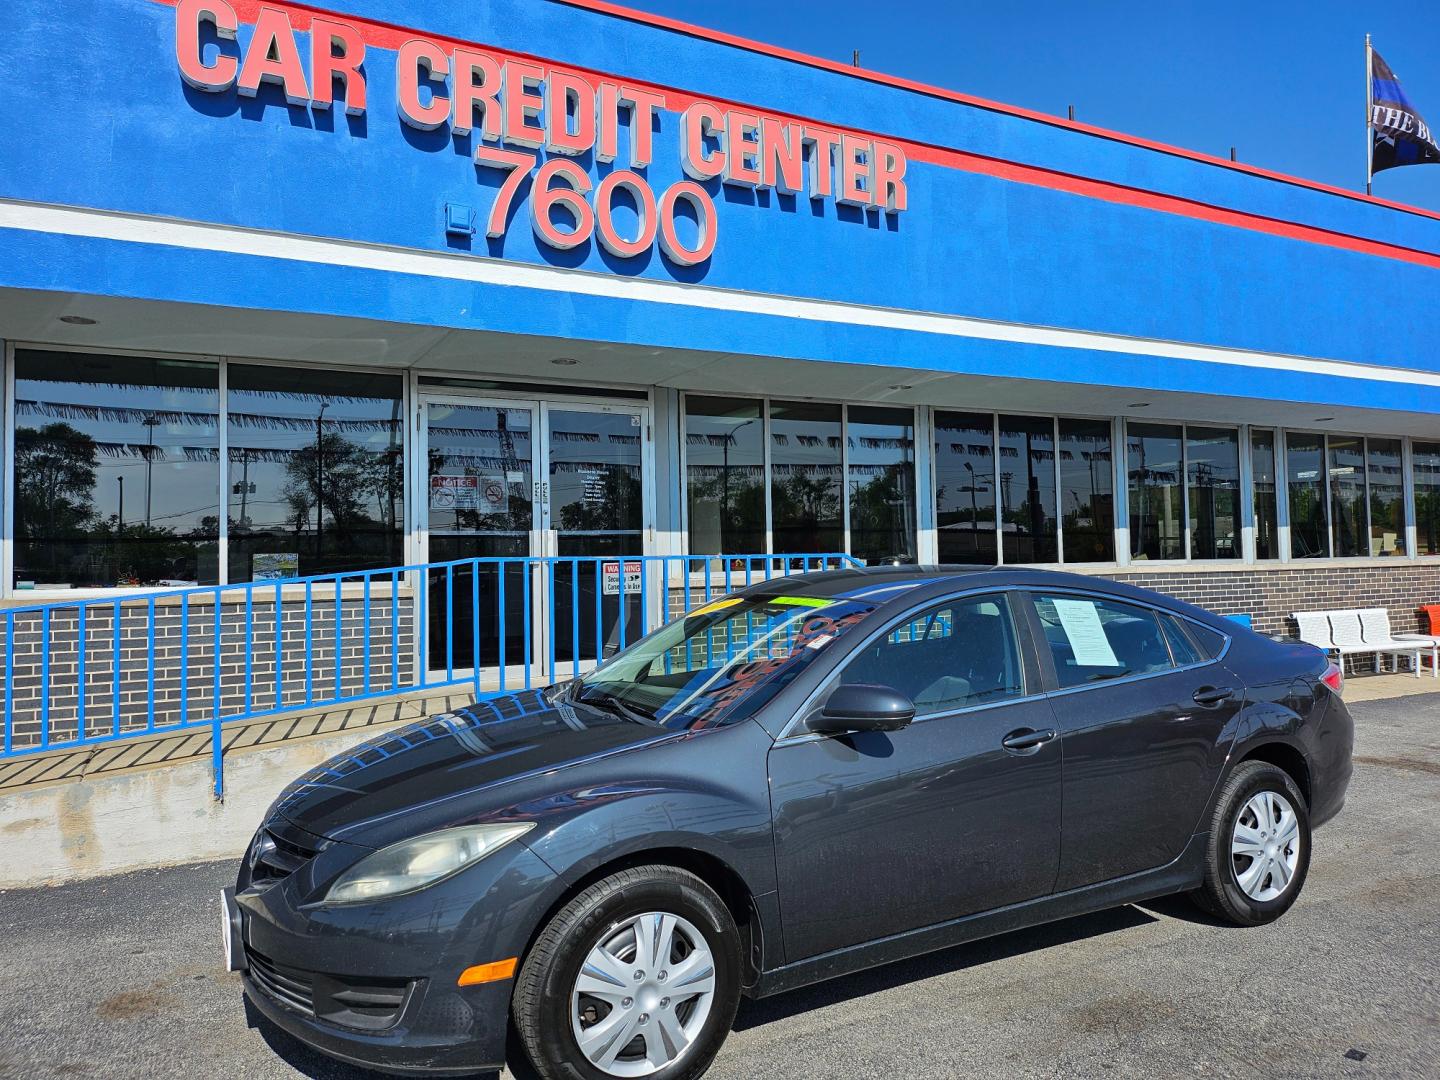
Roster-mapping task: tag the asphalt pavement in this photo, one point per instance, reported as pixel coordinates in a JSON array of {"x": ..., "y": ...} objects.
[{"x": 120, "y": 978}]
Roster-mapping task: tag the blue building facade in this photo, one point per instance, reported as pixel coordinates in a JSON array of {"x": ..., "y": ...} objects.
[{"x": 287, "y": 290}]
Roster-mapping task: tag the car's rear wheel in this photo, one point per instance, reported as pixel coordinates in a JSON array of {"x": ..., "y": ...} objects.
[
  {"x": 1258, "y": 853},
  {"x": 637, "y": 976}
]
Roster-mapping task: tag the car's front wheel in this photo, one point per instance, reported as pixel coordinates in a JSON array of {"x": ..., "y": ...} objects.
[
  {"x": 1259, "y": 848},
  {"x": 637, "y": 976}
]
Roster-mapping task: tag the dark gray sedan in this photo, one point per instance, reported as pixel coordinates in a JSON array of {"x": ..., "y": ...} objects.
[{"x": 808, "y": 778}]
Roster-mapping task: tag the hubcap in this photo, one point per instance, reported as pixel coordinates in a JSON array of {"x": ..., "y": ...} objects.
[
  {"x": 643, "y": 994},
  {"x": 1265, "y": 847}
]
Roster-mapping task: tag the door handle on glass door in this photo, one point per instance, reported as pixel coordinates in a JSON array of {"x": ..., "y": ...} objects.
[{"x": 1027, "y": 739}]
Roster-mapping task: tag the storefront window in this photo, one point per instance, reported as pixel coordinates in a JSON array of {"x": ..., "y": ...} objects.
[
  {"x": 1346, "y": 457},
  {"x": 965, "y": 487},
  {"x": 1305, "y": 462},
  {"x": 805, "y": 477},
  {"x": 725, "y": 475},
  {"x": 316, "y": 481},
  {"x": 1267, "y": 518},
  {"x": 1425, "y": 458},
  {"x": 882, "y": 483},
  {"x": 1087, "y": 487},
  {"x": 1028, "y": 527},
  {"x": 1212, "y": 465},
  {"x": 116, "y": 471},
  {"x": 1157, "y": 496},
  {"x": 1385, "y": 473}
]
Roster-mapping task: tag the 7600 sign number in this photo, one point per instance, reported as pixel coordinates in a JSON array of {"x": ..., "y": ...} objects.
[{"x": 561, "y": 182}]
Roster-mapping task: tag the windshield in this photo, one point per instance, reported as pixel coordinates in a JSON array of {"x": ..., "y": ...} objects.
[{"x": 721, "y": 662}]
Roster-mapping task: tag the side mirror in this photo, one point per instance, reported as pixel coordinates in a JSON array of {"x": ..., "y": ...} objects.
[{"x": 863, "y": 707}]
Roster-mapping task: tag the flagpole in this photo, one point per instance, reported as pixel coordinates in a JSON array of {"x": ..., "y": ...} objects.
[{"x": 1369, "y": 115}]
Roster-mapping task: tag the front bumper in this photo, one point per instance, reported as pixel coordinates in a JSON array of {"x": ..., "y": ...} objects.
[{"x": 377, "y": 984}]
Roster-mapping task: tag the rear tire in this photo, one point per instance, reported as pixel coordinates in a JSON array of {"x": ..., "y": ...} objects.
[
  {"x": 669, "y": 1014},
  {"x": 1258, "y": 853}
]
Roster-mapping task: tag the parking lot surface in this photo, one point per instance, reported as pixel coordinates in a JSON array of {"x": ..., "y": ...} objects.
[{"x": 121, "y": 978}]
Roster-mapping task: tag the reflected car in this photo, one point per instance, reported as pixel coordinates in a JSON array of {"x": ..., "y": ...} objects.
[{"x": 801, "y": 780}]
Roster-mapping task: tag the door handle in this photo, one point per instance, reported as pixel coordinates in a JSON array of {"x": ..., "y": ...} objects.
[
  {"x": 1027, "y": 739},
  {"x": 1213, "y": 695}
]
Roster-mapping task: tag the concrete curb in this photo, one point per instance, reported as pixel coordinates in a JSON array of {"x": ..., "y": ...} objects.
[{"x": 153, "y": 815}]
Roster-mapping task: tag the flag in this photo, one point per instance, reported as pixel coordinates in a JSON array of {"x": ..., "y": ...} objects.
[{"x": 1398, "y": 134}]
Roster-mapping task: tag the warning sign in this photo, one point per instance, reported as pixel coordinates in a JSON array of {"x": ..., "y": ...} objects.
[
  {"x": 449, "y": 492},
  {"x": 488, "y": 494},
  {"x": 610, "y": 574}
]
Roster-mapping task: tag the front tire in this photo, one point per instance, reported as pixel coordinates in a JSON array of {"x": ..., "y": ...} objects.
[
  {"x": 1258, "y": 854},
  {"x": 637, "y": 976}
]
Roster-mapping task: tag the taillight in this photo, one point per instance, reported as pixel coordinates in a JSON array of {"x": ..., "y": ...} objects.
[{"x": 1334, "y": 678}]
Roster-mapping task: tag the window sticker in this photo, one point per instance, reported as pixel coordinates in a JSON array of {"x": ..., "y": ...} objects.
[
  {"x": 718, "y": 605},
  {"x": 1081, "y": 621},
  {"x": 800, "y": 601}
]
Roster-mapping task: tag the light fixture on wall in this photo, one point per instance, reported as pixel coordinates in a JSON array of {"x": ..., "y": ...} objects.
[
  {"x": 902, "y": 386},
  {"x": 1138, "y": 405},
  {"x": 77, "y": 320},
  {"x": 565, "y": 361},
  {"x": 1323, "y": 419}
]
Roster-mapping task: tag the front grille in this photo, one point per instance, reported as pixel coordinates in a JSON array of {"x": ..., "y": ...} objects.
[
  {"x": 286, "y": 985},
  {"x": 364, "y": 1004},
  {"x": 275, "y": 857}
]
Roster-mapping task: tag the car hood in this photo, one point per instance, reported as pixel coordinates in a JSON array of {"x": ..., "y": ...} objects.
[{"x": 452, "y": 754}]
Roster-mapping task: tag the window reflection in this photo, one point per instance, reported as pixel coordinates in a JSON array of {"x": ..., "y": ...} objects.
[
  {"x": 316, "y": 471},
  {"x": 805, "y": 477},
  {"x": 882, "y": 483},
  {"x": 1212, "y": 464},
  {"x": 1157, "y": 505},
  {"x": 965, "y": 487},
  {"x": 116, "y": 471},
  {"x": 1347, "y": 494},
  {"x": 1384, "y": 473},
  {"x": 1027, "y": 489},
  {"x": 1087, "y": 491},
  {"x": 1267, "y": 518},
  {"x": 1304, "y": 462},
  {"x": 725, "y": 475},
  {"x": 1426, "y": 458}
]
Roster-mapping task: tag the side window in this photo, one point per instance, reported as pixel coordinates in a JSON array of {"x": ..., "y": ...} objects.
[
  {"x": 1181, "y": 647},
  {"x": 1093, "y": 639},
  {"x": 958, "y": 654},
  {"x": 1211, "y": 642}
]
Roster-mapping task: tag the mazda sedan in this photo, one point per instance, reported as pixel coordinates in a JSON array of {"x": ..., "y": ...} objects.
[{"x": 810, "y": 777}]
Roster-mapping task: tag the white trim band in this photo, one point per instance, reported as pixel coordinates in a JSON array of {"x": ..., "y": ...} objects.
[{"x": 199, "y": 236}]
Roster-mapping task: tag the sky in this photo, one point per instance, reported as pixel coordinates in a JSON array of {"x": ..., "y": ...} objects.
[{"x": 1283, "y": 81}]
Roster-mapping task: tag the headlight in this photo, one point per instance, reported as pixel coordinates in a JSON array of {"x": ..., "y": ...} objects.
[{"x": 414, "y": 864}]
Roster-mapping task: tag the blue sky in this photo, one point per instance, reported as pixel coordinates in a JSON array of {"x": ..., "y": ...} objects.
[{"x": 1281, "y": 80}]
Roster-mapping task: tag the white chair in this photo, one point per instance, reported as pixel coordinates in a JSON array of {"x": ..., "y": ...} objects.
[
  {"x": 1375, "y": 625},
  {"x": 1349, "y": 637},
  {"x": 1315, "y": 629}
]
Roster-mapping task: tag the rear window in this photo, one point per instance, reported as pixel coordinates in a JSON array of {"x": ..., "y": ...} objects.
[
  {"x": 1181, "y": 647},
  {"x": 1211, "y": 642},
  {"x": 1092, "y": 639}
]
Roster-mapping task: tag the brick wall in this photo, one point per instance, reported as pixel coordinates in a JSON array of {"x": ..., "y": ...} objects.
[
  {"x": 182, "y": 670},
  {"x": 1270, "y": 595}
]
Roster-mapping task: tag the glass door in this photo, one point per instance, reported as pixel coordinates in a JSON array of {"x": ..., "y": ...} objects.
[
  {"x": 482, "y": 502},
  {"x": 597, "y": 517},
  {"x": 557, "y": 490}
]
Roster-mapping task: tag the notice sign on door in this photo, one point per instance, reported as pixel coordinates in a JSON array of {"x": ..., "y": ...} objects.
[
  {"x": 454, "y": 492},
  {"x": 488, "y": 494},
  {"x": 610, "y": 575}
]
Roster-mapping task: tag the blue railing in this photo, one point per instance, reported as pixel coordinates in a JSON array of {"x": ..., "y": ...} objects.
[{"x": 88, "y": 672}]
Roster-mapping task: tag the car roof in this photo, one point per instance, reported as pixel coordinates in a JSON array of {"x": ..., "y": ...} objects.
[
  {"x": 883, "y": 584},
  {"x": 857, "y": 581}
]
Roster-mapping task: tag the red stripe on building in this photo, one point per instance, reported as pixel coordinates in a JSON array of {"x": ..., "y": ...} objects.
[{"x": 750, "y": 45}]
